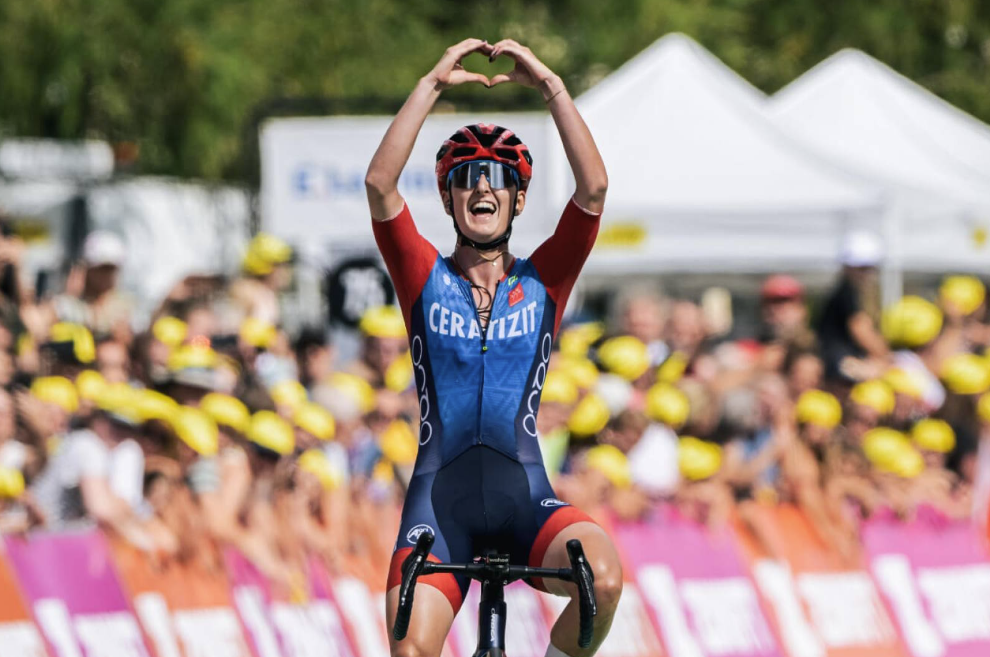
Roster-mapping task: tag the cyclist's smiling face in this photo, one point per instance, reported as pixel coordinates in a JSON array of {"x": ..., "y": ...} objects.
[{"x": 483, "y": 213}]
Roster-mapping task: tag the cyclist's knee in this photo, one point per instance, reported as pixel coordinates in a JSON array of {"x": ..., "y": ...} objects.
[
  {"x": 608, "y": 583},
  {"x": 410, "y": 649}
]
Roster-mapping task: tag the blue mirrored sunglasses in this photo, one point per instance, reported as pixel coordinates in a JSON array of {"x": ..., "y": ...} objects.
[{"x": 498, "y": 175}]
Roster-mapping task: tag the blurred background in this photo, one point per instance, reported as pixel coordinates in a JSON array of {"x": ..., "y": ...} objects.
[{"x": 781, "y": 336}]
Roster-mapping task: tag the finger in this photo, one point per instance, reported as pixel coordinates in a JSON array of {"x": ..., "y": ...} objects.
[
  {"x": 500, "y": 78},
  {"x": 462, "y": 77},
  {"x": 466, "y": 47}
]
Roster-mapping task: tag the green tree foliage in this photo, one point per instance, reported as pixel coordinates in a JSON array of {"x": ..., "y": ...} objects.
[{"x": 186, "y": 79}]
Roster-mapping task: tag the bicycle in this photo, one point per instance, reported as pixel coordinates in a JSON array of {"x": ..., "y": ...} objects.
[{"x": 495, "y": 573}]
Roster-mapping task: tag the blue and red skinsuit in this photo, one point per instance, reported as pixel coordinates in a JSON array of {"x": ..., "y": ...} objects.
[{"x": 481, "y": 389}]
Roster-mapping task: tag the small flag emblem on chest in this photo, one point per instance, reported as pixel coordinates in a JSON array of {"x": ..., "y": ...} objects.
[{"x": 516, "y": 295}]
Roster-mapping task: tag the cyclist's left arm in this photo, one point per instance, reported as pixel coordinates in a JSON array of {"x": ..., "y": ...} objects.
[{"x": 582, "y": 153}]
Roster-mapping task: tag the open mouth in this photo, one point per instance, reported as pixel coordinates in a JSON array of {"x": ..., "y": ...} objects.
[{"x": 483, "y": 209}]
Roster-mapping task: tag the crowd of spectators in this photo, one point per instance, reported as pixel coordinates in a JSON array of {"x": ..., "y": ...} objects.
[{"x": 213, "y": 426}]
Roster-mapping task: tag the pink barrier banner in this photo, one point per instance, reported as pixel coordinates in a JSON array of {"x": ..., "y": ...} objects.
[
  {"x": 935, "y": 577},
  {"x": 307, "y": 625},
  {"x": 74, "y": 593},
  {"x": 696, "y": 587},
  {"x": 18, "y": 635}
]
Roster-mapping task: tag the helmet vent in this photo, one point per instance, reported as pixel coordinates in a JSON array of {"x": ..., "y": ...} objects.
[
  {"x": 459, "y": 137},
  {"x": 507, "y": 154},
  {"x": 463, "y": 151},
  {"x": 511, "y": 140}
]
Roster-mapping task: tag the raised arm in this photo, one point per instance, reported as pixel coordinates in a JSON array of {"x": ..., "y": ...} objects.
[
  {"x": 382, "y": 179},
  {"x": 582, "y": 153}
]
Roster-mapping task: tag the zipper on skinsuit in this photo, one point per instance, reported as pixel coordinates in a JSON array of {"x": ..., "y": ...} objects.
[{"x": 465, "y": 288}]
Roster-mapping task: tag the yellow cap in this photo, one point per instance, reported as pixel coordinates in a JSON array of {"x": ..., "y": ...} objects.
[
  {"x": 874, "y": 394},
  {"x": 289, "y": 393},
  {"x": 316, "y": 463},
  {"x": 933, "y": 435},
  {"x": 698, "y": 459},
  {"x": 966, "y": 374},
  {"x": 170, "y": 331},
  {"x": 151, "y": 405},
  {"x": 270, "y": 431},
  {"x": 315, "y": 420},
  {"x": 399, "y": 375},
  {"x": 357, "y": 389},
  {"x": 90, "y": 384},
  {"x": 904, "y": 382},
  {"x": 56, "y": 390},
  {"x": 558, "y": 388},
  {"x": 911, "y": 322},
  {"x": 818, "y": 408},
  {"x": 383, "y": 472},
  {"x": 908, "y": 463},
  {"x": 383, "y": 322},
  {"x": 258, "y": 333},
  {"x": 575, "y": 340},
  {"x": 120, "y": 400},
  {"x": 966, "y": 293},
  {"x": 11, "y": 483},
  {"x": 192, "y": 357},
  {"x": 667, "y": 404},
  {"x": 611, "y": 462},
  {"x": 399, "y": 443},
  {"x": 196, "y": 429},
  {"x": 227, "y": 411},
  {"x": 83, "y": 345},
  {"x": 881, "y": 446},
  {"x": 264, "y": 252},
  {"x": 672, "y": 370},
  {"x": 625, "y": 356},
  {"x": 589, "y": 416},
  {"x": 580, "y": 370}
]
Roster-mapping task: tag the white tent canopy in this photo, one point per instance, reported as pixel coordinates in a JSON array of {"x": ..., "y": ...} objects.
[
  {"x": 693, "y": 160},
  {"x": 932, "y": 160}
]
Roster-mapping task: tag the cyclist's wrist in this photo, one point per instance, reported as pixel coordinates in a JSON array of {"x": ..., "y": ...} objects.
[
  {"x": 431, "y": 83},
  {"x": 550, "y": 87}
]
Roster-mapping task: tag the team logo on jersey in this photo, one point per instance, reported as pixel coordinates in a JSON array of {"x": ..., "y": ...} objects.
[
  {"x": 413, "y": 535},
  {"x": 516, "y": 295},
  {"x": 445, "y": 321},
  {"x": 512, "y": 279},
  {"x": 551, "y": 502}
]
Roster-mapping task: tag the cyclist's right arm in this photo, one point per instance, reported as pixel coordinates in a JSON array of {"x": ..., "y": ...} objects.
[{"x": 382, "y": 179}]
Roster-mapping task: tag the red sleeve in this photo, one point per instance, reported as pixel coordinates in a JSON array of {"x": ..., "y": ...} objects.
[
  {"x": 559, "y": 260},
  {"x": 408, "y": 256}
]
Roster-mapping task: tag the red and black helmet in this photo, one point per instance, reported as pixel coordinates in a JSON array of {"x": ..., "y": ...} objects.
[{"x": 484, "y": 142}]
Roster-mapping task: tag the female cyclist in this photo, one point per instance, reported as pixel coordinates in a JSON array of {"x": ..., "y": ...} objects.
[{"x": 481, "y": 324}]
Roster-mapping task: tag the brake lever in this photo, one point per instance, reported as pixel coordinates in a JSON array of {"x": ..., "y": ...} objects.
[
  {"x": 584, "y": 577},
  {"x": 412, "y": 568}
]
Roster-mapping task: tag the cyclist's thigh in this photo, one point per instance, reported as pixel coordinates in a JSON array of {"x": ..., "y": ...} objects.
[
  {"x": 556, "y": 523},
  {"x": 429, "y": 624},
  {"x": 418, "y": 516}
]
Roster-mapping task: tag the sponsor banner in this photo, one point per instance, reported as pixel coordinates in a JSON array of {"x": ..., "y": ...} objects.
[
  {"x": 818, "y": 607},
  {"x": 697, "y": 590},
  {"x": 303, "y": 622},
  {"x": 936, "y": 580},
  {"x": 18, "y": 635},
  {"x": 77, "y": 601},
  {"x": 184, "y": 608}
]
